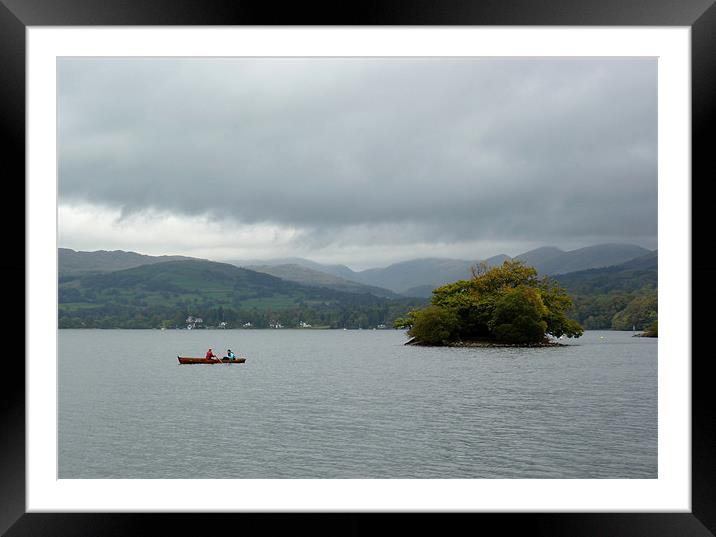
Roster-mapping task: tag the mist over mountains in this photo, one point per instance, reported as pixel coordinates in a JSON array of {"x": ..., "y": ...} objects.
[{"x": 418, "y": 277}]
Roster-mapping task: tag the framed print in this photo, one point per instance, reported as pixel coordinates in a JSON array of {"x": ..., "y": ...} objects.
[{"x": 297, "y": 184}]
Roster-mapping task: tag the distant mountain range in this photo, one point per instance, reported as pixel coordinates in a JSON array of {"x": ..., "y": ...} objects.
[
  {"x": 308, "y": 276},
  {"x": 550, "y": 260},
  {"x": 418, "y": 277}
]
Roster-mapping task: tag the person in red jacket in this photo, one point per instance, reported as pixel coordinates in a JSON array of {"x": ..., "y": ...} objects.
[{"x": 210, "y": 354}]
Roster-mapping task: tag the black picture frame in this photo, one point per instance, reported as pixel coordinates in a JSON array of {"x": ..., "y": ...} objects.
[{"x": 699, "y": 15}]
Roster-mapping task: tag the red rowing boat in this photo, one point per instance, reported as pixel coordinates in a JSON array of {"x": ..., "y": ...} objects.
[{"x": 189, "y": 360}]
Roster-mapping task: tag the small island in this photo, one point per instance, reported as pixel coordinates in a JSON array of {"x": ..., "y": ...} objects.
[{"x": 506, "y": 305}]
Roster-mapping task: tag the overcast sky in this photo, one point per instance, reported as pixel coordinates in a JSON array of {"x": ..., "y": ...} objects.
[{"x": 357, "y": 161}]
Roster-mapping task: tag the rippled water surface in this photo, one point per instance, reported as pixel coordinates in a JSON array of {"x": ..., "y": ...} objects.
[{"x": 353, "y": 404}]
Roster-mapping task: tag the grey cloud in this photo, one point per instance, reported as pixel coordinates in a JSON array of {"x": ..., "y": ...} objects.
[{"x": 447, "y": 149}]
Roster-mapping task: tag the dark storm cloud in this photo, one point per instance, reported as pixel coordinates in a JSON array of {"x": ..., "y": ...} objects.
[{"x": 452, "y": 149}]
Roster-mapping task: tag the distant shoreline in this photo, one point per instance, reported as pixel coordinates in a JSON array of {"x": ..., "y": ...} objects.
[{"x": 212, "y": 329}]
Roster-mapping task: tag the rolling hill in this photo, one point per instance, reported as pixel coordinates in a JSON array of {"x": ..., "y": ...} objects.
[
  {"x": 401, "y": 277},
  {"x": 149, "y": 295},
  {"x": 72, "y": 262},
  {"x": 634, "y": 275},
  {"x": 620, "y": 297},
  {"x": 550, "y": 260},
  {"x": 222, "y": 283},
  {"x": 340, "y": 271},
  {"x": 308, "y": 276},
  {"x": 649, "y": 261}
]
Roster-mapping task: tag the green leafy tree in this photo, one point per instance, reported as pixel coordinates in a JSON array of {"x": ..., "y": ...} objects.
[
  {"x": 557, "y": 303},
  {"x": 653, "y": 330},
  {"x": 406, "y": 322},
  {"x": 518, "y": 316},
  {"x": 639, "y": 313},
  {"x": 434, "y": 325},
  {"x": 504, "y": 303},
  {"x": 473, "y": 310}
]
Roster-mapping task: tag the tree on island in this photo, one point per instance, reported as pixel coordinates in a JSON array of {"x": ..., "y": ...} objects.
[
  {"x": 507, "y": 304},
  {"x": 652, "y": 331}
]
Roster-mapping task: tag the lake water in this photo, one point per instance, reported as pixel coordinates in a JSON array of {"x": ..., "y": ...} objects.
[{"x": 353, "y": 404}]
